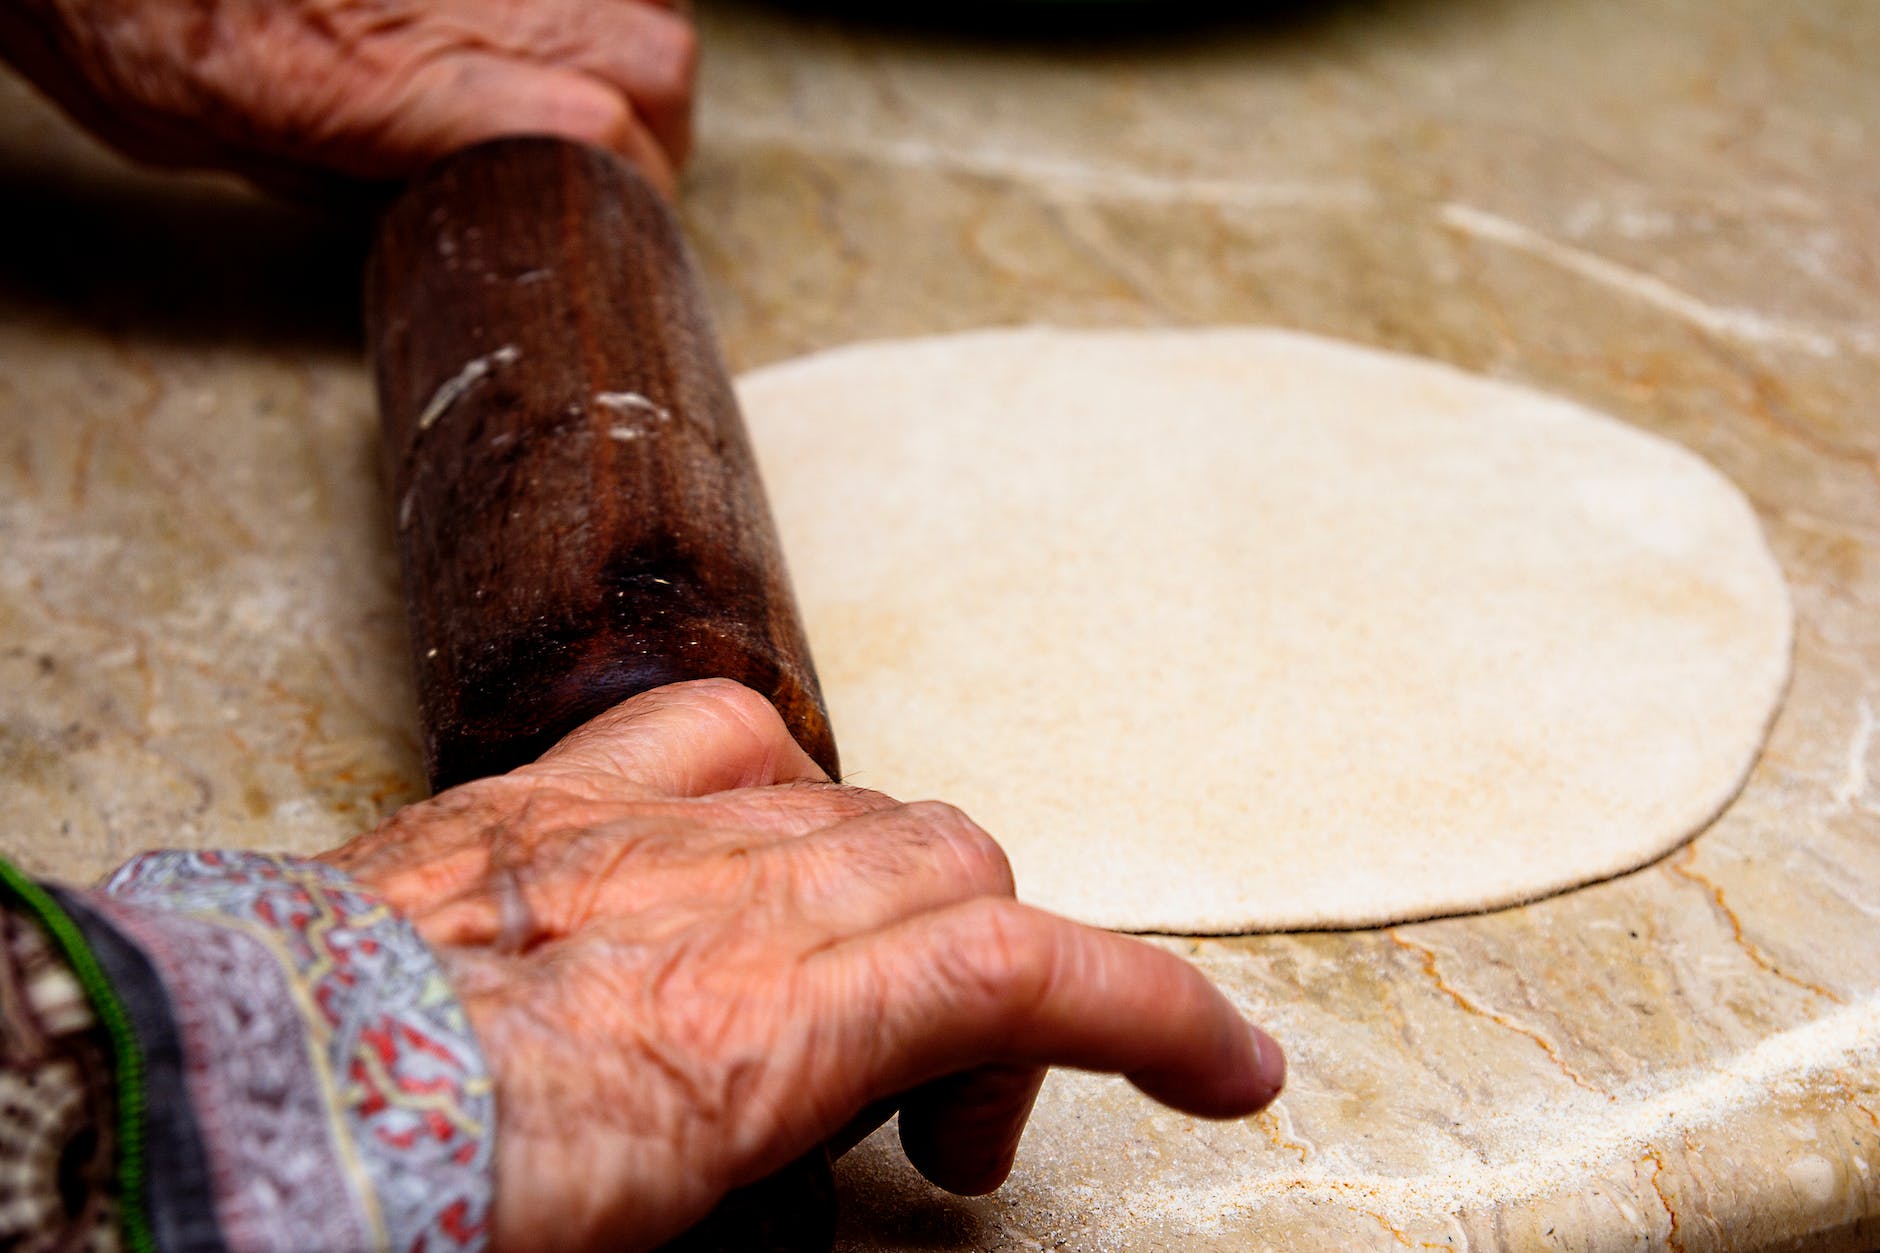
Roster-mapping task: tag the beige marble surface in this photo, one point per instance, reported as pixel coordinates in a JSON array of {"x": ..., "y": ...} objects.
[{"x": 1668, "y": 210}]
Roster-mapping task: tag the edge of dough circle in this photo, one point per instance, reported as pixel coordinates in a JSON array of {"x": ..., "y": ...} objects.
[{"x": 1241, "y": 629}]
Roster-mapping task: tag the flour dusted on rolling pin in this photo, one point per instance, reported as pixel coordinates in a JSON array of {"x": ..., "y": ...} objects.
[
  {"x": 458, "y": 385},
  {"x": 1244, "y": 629}
]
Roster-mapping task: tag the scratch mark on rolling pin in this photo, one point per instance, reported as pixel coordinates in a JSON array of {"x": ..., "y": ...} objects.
[
  {"x": 458, "y": 385},
  {"x": 630, "y": 402}
]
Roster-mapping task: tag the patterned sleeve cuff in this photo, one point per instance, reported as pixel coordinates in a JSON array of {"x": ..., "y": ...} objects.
[{"x": 336, "y": 1095}]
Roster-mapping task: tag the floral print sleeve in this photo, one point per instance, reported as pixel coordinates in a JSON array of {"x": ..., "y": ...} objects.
[{"x": 231, "y": 1050}]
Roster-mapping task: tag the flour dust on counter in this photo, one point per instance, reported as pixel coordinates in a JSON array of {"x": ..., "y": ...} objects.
[{"x": 1241, "y": 629}]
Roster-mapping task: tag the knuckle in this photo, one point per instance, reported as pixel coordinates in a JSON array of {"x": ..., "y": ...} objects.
[
  {"x": 934, "y": 817},
  {"x": 982, "y": 863},
  {"x": 1002, "y": 956},
  {"x": 841, "y": 801},
  {"x": 866, "y": 799},
  {"x": 985, "y": 864}
]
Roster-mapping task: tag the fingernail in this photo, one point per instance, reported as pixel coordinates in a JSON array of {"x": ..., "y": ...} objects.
[{"x": 1269, "y": 1063}]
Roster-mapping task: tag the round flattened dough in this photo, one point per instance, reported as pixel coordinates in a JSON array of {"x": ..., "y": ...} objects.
[{"x": 1240, "y": 630}]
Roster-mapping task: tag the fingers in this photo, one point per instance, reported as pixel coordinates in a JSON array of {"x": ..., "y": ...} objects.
[
  {"x": 685, "y": 739},
  {"x": 962, "y": 1132},
  {"x": 650, "y": 56},
  {"x": 879, "y": 869},
  {"x": 992, "y": 981},
  {"x": 616, "y": 73},
  {"x": 297, "y": 94},
  {"x": 785, "y": 812},
  {"x": 468, "y": 97}
]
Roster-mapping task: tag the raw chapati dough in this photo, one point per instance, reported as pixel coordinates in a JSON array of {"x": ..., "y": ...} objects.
[{"x": 1240, "y": 630}]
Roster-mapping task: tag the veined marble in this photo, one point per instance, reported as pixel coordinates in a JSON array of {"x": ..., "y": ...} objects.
[{"x": 1667, "y": 209}]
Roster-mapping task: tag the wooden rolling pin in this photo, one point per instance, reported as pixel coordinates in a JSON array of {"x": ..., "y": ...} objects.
[{"x": 579, "y": 514}]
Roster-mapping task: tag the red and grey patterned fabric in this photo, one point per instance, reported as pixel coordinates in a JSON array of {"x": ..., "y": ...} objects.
[{"x": 295, "y": 1071}]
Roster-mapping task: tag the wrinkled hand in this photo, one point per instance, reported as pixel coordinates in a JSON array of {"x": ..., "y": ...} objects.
[
  {"x": 368, "y": 89},
  {"x": 691, "y": 959}
]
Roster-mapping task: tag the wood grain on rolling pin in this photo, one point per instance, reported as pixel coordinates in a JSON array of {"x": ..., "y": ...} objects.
[{"x": 579, "y": 516}]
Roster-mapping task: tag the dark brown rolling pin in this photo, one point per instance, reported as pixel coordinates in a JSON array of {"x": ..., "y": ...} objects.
[{"x": 579, "y": 515}]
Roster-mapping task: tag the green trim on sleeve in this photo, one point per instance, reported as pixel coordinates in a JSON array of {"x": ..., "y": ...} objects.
[{"x": 127, "y": 1056}]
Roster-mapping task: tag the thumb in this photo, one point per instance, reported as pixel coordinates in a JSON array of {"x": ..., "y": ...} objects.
[
  {"x": 962, "y": 1131},
  {"x": 682, "y": 740}
]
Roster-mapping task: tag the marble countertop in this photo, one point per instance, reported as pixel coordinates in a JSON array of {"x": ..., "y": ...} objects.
[{"x": 1666, "y": 209}]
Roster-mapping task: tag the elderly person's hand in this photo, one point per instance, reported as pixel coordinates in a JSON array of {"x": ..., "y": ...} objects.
[
  {"x": 691, "y": 959},
  {"x": 286, "y": 91}
]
